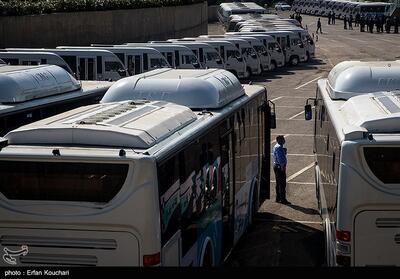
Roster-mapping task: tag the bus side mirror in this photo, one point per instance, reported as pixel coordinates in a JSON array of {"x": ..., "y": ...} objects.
[
  {"x": 272, "y": 115},
  {"x": 196, "y": 65},
  {"x": 308, "y": 112},
  {"x": 272, "y": 120}
]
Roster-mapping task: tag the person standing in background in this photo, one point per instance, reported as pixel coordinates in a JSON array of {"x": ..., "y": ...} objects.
[{"x": 280, "y": 161}]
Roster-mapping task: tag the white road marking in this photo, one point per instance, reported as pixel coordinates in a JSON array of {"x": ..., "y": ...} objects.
[
  {"x": 298, "y": 87},
  {"x": 277, "y": 98},
  {"x": 297, "y": 114},
  {"x": 300, "y": 172},
  {"x": 298, "y": 183},
  {"x": 293, "y": 97},
  {"x": 289, "y": 221},
  {"x": 300, "y": 113},
  {"x": 298, "y": 135}
]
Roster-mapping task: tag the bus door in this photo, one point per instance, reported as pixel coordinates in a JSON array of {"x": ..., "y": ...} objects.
[
  {"x": 87, "y": 69},
  {"x": 228, "y": 191}
]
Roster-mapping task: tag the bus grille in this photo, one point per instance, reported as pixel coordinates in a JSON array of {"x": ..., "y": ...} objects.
[{"x": 58, "y": 242}]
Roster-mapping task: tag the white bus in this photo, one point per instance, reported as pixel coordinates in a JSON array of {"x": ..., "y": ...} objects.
[
  {"x": 374, "y": 9},
  {"x": 357, "y": 170},
  {"x": 233, "y": 59},
  {"x": 254, "y": 51},
  {"x": 173, "y": 180},
  {"x": 34, "y": 58},
  {"x": 30, "y": 93},
  {"x": 178, "y": 56},
  {"x": 248, "y": 52},
  {"x": 273, "y": 48},
  {"x": 225, "y": 10},
  {"x": 207, "y": 55},
  {"x": 306, "y": 39},
  {"x": 136, "y": 60},
  {"x": 87, "y": 64},
  {"x": 293, "y": 47}
]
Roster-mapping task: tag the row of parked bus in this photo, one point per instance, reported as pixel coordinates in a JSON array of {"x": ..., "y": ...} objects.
[
  {"x": 254, "y": 43},
  {"x": 343, "y": 8},
  {"x": 168, "y": 169},
  {"x": 282, "y": 35}
]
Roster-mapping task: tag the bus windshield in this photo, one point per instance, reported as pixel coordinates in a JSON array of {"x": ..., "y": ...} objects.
[
  {"x": 115, "y": 66},
  {"x": 61, "y": 181},
  {"x": 158, "y": 63},
  {"x": 212, "y": 56}
]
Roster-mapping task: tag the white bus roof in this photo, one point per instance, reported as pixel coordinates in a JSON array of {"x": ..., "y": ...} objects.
[
  {"x": 24, "y": 83},
  {"x": 157, "y": 46},
  {"x": 63, "y": 51},
  {"x": 121, "y": 124},
  {"x": 240, "y": 6},
  {"x": 138, "y": 49},
  {"x": 197, "y": 89},
  {"x": 375, "y": 112},
  {"x": 352, "y": 78}
]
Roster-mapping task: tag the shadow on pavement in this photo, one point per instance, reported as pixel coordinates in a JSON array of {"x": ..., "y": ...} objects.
[
  {"x": 276, "y": 241},
  {"x": 309, "y": 211}
]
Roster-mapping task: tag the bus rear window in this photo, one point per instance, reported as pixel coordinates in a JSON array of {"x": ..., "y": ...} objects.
[
  {"x": 56, "y": 181},
  {"x": 384, "y": 162}
]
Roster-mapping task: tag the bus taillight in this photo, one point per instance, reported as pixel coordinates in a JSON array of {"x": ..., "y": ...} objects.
[
  {"x": 343, "y": 235},
  {"x": 151, "y": 260},
  {"x": 343, "y": 248}
]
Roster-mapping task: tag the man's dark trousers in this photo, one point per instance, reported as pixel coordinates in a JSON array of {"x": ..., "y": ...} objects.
[{"x": 280, "y": 176}]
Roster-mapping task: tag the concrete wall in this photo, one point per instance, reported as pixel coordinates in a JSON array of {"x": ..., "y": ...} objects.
[
  {"x": 212, "y": 13},
  {"x": 119, "y": 26}
]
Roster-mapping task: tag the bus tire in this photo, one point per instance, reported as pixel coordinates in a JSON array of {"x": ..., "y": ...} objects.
[
  {"x": 208, "y": 260},
  {"x": 273, "y": 66},
  {"x": 307, "y": 56},
  {"x": 253, "y": 204},
  {"x": 248, "y": 72},
  {"x": 294, "y": 60}
]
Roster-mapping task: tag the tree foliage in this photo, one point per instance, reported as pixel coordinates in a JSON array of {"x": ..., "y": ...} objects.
[{"x": 33, "y": 7}]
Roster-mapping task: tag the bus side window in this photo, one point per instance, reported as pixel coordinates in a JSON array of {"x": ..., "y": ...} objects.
[
  {"x": 177, "y": 59},
  {"x": 201, "y": 54},
  {"x": 168, "y": 183},
  {"x": 145, "y": 62},
  {"x": 99, "y": 61}
]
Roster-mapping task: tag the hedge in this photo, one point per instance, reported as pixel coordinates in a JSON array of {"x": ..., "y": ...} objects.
[{"x": 33, "y": 7}]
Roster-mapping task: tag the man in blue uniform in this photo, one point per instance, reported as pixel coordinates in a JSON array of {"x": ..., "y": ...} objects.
[{"x": 280, "y": 161}]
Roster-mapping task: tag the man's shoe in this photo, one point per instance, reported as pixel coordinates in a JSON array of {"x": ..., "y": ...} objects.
[
  {"x": 278, "y": 201},
  {"x": 286, "y": 202}
]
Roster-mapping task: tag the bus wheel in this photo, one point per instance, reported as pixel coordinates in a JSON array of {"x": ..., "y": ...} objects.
[
  {"x": 253, "y": 207},
  {"x": 273, "y": 65},
  {"x": 208, "y": 257},
  {"x": 248, "y": 72},
  {"x": 294, "y": 61}
]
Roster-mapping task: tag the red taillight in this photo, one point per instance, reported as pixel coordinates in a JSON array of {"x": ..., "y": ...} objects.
[
  {"x": 343, "y": 260},
  {"x": 343, "y": 235},
  {"x": 149, "y": 260}
]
